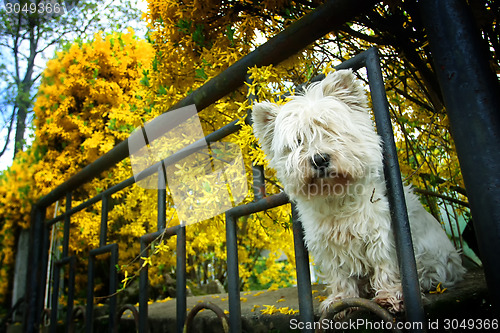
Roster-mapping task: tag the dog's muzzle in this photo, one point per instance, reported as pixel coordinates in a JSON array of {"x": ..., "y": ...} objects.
[{"x": 324, "y": 170}]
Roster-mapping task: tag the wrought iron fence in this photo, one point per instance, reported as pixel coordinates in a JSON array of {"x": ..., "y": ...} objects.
[{"x": 311, "y": 27}]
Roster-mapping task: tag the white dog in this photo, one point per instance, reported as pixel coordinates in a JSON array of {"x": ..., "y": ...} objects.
[{"x": 328, "y": 156}]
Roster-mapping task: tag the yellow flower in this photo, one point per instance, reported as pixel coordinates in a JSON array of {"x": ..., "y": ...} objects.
[
  {"x": 146, "y": 261},
  {"x": 320, "y": 298},
  {"x": 283, "y": 310},
  {"x": 270, "y": 309},
  {"x": 439, "y": 289},
  {"x": 125, "y": 280}
]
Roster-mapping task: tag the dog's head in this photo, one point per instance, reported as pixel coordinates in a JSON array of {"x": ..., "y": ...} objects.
[{"x": 321, "y": 141}]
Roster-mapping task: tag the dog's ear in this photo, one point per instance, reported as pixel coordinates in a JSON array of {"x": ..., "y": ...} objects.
[
  {"x": 344, "y": 85},
  {"x": 263, "y": 117}
]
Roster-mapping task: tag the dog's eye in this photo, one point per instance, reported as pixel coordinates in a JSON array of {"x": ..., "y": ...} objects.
[{"x": 299, "y": 141}]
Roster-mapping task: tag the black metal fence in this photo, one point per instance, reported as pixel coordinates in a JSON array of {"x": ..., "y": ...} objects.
[{"x": 311, "y": 27}]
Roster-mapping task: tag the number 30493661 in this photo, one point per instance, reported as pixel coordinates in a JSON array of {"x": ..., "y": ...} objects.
[{"x": 42, "y": 7}]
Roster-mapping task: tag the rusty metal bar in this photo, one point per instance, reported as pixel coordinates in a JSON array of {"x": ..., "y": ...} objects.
[{"x": 145, "y": 240}]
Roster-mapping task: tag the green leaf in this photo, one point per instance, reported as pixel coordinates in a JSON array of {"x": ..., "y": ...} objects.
[
  {"x": 184, "y": 26},
  {"x": 154, "y": 64},
  {"x": 145, "y": 81},
  {"x": 200, "y": 73},
  {"x": 206, "y": 187},
  {"x": 199, "y": 35},
  {"x": 230, "y": 34},
  {"x": 162, "y": 90},
  {"x": 112, "y": 124}
]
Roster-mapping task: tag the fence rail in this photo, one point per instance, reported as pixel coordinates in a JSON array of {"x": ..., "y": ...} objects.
[{"x": 303, "y": 32}]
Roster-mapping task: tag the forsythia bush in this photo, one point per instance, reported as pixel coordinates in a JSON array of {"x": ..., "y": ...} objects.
[
  {"x": 87, "y": 102},
  {"x": 17, "y": 193}
]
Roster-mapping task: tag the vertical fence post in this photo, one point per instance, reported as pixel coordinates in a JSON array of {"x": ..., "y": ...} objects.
[
  {"x": 67, "y": 223},
  {"x": 56, "y": 274},
  {"x": 162, "y": 198},
  {"x": 103, "y": 235},
  {"x": 35, "y": 284},
  {"x": 181, "y": 279},
  {"x": 113, "y": 284},
  {"x": 233, "y": 276},
  {"x": 89, "y": 312},
  {"x": 306, "y": 310},
  {"x": 71, "y": 291},
  {"x": 471, "y": 95},
  {"x": 143, "y": 288},
  {"x": 395, "y": 194},
  {"x": 259, "y": 185},
  {"x": 57, "y": 267}
]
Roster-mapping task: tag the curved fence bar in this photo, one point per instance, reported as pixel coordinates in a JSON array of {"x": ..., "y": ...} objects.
[
  {"x": 371, "y": 306},
  {"x": 123, "y": 309},
  {"x": 206, "y": 305},
  {"x": 79, "y": 310}
]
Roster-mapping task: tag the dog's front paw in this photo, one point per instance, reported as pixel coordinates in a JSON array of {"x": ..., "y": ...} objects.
[{"x": 391, "y": 301}]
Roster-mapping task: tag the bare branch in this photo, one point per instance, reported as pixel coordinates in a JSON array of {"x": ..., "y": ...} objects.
[
  {"x": 9, "y": 131},
  {"x": 444, "y": 197}
]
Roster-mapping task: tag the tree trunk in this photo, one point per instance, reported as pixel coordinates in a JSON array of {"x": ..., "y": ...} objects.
[{"x": 22, "y": 112}]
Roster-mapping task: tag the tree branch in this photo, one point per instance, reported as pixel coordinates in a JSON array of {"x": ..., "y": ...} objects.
[
  {"x": 444, "y": 197},
  {"x": 9, "y": 130}
]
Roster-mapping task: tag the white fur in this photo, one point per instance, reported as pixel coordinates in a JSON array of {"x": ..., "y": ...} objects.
[{"x": 341, "y": 194}]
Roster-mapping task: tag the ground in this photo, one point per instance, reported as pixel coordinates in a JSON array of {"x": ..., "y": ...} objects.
[{"x": 467, "y": 300}]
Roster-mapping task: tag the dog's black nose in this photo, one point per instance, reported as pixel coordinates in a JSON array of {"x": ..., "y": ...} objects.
[{"x": 320, "y": 161}]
